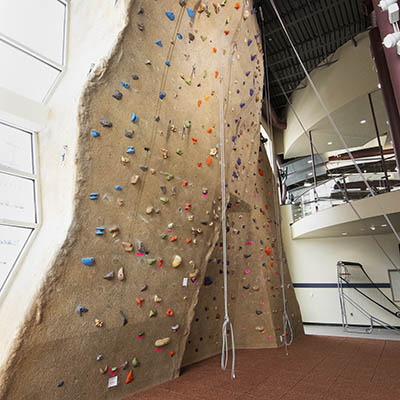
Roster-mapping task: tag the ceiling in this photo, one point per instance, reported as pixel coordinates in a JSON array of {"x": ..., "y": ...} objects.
[
  {"x": 354, "y": 121},
  {"x": 317, "y": 28}
]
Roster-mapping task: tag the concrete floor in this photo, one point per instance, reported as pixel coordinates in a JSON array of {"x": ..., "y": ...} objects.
[{"x": 317, "y": 367}]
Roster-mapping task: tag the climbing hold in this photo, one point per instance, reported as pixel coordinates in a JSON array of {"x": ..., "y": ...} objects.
[
  {"x": 109, "y": 276},
  {"x": 114, "y": 230},
  {"x": 157, "y": 299},
  {"x": 179, "y": 152},
  {"x": 208, "y": 281},
  {"x": 191, "y": 37},
  {"x": 180, "y": 37},
  {"x": 139, "y": 302},
  {"x": 162, "y": 95},
  {"x": 143, "y": 287},
  {"x": 169, "y": 312},
  {"x": 128, "y": 247},
  {"x": 134, "y": 118},
  {"x": 164, "y": 199},
  {"x": 214, "y": 50},
  {"x": 98, "y": 323},
  {"x": 199, "y": 164},
  {"x": 162, "y": 342},
  {"x": 148, "y": 62},
  {"x": 59, "y": 384},
  {"x": 171, "y": 353},
  {"x": 123, "y": 318},
  {"x": 150, "y": 261},
  {"x": 95, "y": 133},
  {"x": 175, "y": 328},
  {"x": 209, "y": 159},
  {"x": 173, "y": 238},
  {"x": 88, "y": 261},
  {"x": 105, "y": 123},
  {"x": 199, "y": 103},
  {"x": 258, "y": 312},
  {"x": 177, "y": 261},
  {"x": 121, "y": 274},
  {"x": 140, "y": 11},
  {"x": 182, "y": 3},
  {"x": 187, "y": 124},
  {"x": 159, "y": 43},
  {"x": 143, "y": 168},
  {"x": 125, "y": 85},
  {"x": 118, "y": 187},
  {"x": 216, "y": 74},
  {"x": 134, "y": 179},
  {"x": 168, "y": 63},
  {"x": 99, "y": 357},
  {"x": 226, "y": 31},
  {"x": 131, "y": 150},
  {"x": 209, "y": 130},
  {"x": 81, "y": 310},
  {"x": 152, "y": 314},
  {"x": 246, "y": 14},
  {"x": 99, "y": 231},
  {"x": 135, "y": 362},
  {"x": 170, "y": 15},
  {"x": 194, "y": 140},
  {"x": 190, "y": 13},
  {"x": 237, "y": 6},
  {"x": 129, "y": 378},
  {"x": 129, "y": 134},
  {"x": 203, "y": 37},
  {"x": 149, "y": 210}
]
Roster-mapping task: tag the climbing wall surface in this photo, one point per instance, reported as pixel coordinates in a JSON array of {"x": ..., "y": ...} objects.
[
  {"x": 115, "y": 313},
  {"x": 254, "y": 280}
]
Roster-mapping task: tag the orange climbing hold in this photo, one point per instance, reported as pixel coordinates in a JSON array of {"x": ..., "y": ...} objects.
[
  {"x": 216, "y": 74},
  {"x": 184, "y": 183},
  {"x": 209, "y": 159},
  {"x": 214, "y": 50},
  {"x": 139, "y": 301},
  {"x": 170, "y": 313},
  {"x": 206, "y": 98},
  {"x": 171, "y": 353},
  {"x": 267, "y": 250},
  {"x": 173, "y": 238},
  {"x": 199, "y": 103},
  {"x": 226, "y": 32},
  {"x": 237, "y": 6},
  {"x": 194, "y": 140},
  {"x": 271, "y": 264},
  {"x": 261, "y": 172},
  {"x": 187, "y": 207},
  {"x": 129, "y": 378},
  {"x": 209, "y": 130},
  {"x": 188, "y": 240},
  {"x": 199, "y": 164}
]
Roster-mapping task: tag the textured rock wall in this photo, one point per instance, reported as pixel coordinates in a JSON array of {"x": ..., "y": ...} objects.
[{"x": 148, "y": 190}]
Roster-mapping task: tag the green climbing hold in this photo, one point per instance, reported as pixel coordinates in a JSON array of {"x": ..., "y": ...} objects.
[
  {"x": 152, "y": 313},
  {"x": 164, "y": 200},
  {"x": 135, "y": 362},
  {"x": 150, "y": 261},
  {"x": 179, "y": 152},
  {"x": 167, "y": 176},
  {"x": 203, "y": 38},
  {"x": 163, "y": 236},
  {"x": 188, "y": 81},
  {"x": 188, "y": 124},
  {"x": 113, "y": 369}
]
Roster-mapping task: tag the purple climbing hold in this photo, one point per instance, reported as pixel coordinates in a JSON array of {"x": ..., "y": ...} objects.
[
  {"x": 249, "y": 42},
  {"x": 247, "y": 73},
  {"x": 251, "y": 92},
  {"x": 239, "y": 161},
  {"x": 242, "y": 105},
  {"x": 253, "y": 57}
]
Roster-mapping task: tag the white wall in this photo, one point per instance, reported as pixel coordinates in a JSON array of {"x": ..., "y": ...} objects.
[
  {"x": 93, "y": 28},
  {"x": 314, "y": 261}
]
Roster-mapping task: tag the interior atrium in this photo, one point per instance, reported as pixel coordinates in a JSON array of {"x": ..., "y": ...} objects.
[{"x": 199, "y": 199}]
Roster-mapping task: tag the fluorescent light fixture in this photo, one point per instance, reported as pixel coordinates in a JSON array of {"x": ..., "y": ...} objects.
[
  {"x": 344, "y": 233},
  {"x": 329, "y": 143},
  {"x": 309, "y": 161},
  {"x": 363, "y": 121},
  {"x": 310, "y": 173},
  {"x": 384, "y": 225},
  {"x": 307, "y": 184}
]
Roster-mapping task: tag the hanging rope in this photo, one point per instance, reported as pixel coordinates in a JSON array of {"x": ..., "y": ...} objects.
[{"x": 227, "y": 322}]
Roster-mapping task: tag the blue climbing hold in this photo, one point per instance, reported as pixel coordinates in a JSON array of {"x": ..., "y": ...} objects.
[
  {"x": 190, "y": 12},
  {"x": 159, "y": 43},
  {"x": 134, "y": 118},
  {"x": 99, "y": 230},
  {"x": 179, "y": 36},
  {"x": 88, "y": 261},
  {"x": 130, "y": 150},
  {"x": 94, "y": 196},
  {"x": 95, "y": 133},
  {"x": 125, "y": 85},
  {"x": 59, "y": 384},
  {"x": 168, "y": 63},
  {"x": 81, "y": 310},
  {"x": 162, "y": 95},
  {"x": 170, "y": 15},
  {"x": 118, "y": 187}
]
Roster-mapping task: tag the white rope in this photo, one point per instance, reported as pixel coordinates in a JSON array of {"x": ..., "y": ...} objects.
[
  {"x": 225, "y": 346},
  {"x": 336, "y": 129}
]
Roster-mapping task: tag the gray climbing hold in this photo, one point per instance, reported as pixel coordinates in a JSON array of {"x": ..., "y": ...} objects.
[
  {"x": 140, "y": 246},
  {"x": 143, "y": 168},
  {"x": 143, "y": 287},
  {"x": 123, "y": 318},
  {"x": 99, "y": 357},
  {"x": 135, "y": 77},
  {"x": 81, "y": 310},
  {"x": 141, "y": 27},
  {"x": 163, "y": 189},
  {"x": 121, "y": 274},
  {"x": 109, "y": 276},
  {"x": 140, "y": 10},
  {"x": 135, "y": 179},
  {"x": 129, "y": 134},
  {"x": 105, "y": 123},
  {"x": 175, "y": 328},
  {"x": 117, "y": 95}
]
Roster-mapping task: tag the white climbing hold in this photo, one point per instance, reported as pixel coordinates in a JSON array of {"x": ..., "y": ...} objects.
[
  {"x": 177, "y": 261},
  {"x": 162, "y": 342},
  {"x": 121, "y": 274}
]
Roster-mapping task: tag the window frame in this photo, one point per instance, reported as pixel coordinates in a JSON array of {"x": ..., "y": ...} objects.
[
  {"x": 40, "y": 57},
  {"x": 35, "y": 227}
]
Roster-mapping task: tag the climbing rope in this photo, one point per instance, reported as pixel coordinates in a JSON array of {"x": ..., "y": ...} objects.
[{"x": 225, "y": 345}]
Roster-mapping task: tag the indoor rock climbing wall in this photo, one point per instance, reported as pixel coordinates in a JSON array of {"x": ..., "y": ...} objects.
[{"x": 115, "y": 313}]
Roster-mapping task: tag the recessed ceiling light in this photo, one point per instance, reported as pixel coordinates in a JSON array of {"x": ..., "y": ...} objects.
[
  {"x": 329, "y": 143},
  {"x": 309, "y": 161},
  {"x": 372, "y": 227},
  {"x": 363, "y": 121},
  {"x": 379, "y": 85},
  {"x": 344, "y": 233}
]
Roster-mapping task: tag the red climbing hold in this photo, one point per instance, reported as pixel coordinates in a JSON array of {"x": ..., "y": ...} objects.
[
  {"x": 209, "y": 159},
  {"x": 214, "y": 50},
  {"x": 267, "y": 250},
  {"x": 261, "y": 172},
  {"x": 199, "y": 103},
  {"x": 216, "y": 74},
  {"x": 199, "y": 164},
  {"x": 194, "y": 140},
  {"x": 170, "y": 313},
  {"x": 129, "y": 378},
  {"x": 226, "y": 32},
  {"x": 209, "y": 130}
]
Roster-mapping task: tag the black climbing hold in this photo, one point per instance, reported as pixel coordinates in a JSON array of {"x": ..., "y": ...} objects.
[
  {"x": 246, "y": 255},
  {"x": 59, "y": 384},
  {"x": 246, "y": 287},
  {"x": 208, "y": 281},
  {"x": 135, "y": 77},
  {"x": 117, "y": 95},
  {"x": 204, "y": 222},
  {"x": 258, "y": 312},
  {"x": 105, "y": 123},
  {"x": 147, "y": 148},
  {"x": 129, "y": 134},
  {"x": 163, "y": 189},
  {"x": 191, "y": 37},
  {"x": 140, "y": 11},
  {"x": 144, "y": 168},
  {"x": 81, "y": 310},
  {"x": 143, "y": 287},
  {"x": 182, "y": 3},
  {"x": 157, "y": 118},
  {"x": 123, "y": 318}
]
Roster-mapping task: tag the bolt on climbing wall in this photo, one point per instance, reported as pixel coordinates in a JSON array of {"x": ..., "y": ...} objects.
[{"x": 115, "y": 313}]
